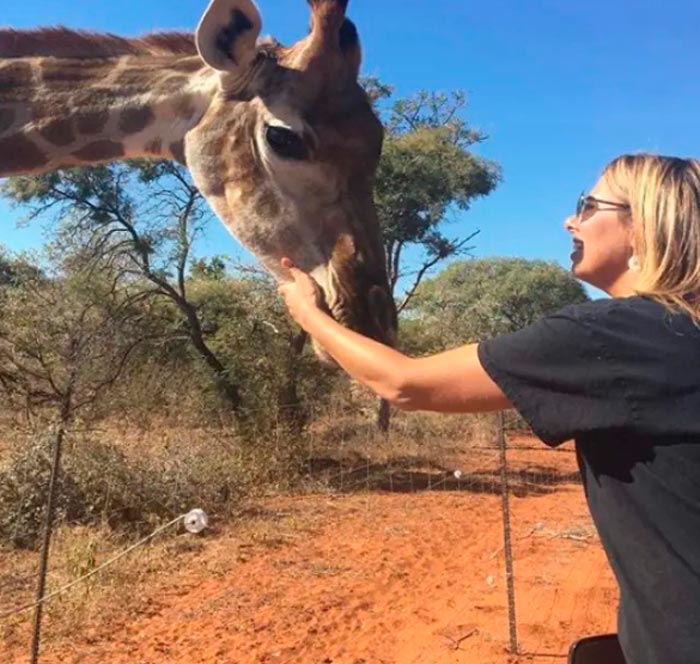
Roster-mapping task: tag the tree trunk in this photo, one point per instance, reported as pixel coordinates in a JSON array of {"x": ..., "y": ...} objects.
[
  {"x": 291, "y": 410},
  {"x": 230, "y": 389},
  {"x": 48, "y": 530},
  {"x": 383, "y": 416}
]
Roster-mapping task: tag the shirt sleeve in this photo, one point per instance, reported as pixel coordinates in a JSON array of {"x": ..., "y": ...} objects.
[{"x": 558, "y": 375}]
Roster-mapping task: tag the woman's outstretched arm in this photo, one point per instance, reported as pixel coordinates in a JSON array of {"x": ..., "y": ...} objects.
[{"x": 453, "y": 381}]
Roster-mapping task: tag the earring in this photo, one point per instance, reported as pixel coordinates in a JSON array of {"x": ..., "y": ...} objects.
[{"x": 634, "y": 264}]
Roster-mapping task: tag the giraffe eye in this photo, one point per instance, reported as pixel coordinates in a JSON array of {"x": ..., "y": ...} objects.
[{"x": 286, "y": 143}]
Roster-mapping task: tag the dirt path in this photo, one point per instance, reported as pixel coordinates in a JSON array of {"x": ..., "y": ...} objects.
[
  {"x": 368, "y": 579},
  {"x": 381, "y": 577}
]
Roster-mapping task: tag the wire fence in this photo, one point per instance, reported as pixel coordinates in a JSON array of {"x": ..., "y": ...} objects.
[{"x": 346, "y": 457}]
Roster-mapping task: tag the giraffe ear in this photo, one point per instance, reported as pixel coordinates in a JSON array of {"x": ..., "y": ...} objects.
[{"x": 227, "y": 34}]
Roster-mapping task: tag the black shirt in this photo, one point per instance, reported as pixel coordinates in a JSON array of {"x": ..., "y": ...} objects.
[{"x": 622, "y": 378}]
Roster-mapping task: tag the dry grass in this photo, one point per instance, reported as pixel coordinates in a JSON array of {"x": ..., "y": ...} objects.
[
  {"x": 213, "y": 468},
  {"x": 75, "y": 551},
  {"x": 120, "y": 588}
]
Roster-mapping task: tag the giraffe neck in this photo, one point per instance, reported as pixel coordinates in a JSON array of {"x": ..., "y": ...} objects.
[{"x": 59, "y": 112}]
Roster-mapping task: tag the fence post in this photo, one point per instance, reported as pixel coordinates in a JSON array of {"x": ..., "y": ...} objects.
[
  {"x": 507, "y": 548},
  {"x": 48, "y": 531}
]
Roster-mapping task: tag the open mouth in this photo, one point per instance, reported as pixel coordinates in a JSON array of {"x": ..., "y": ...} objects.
[{"x": 577, "y": 250}]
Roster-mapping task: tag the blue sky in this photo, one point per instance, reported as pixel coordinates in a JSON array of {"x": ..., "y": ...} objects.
[{"x": 560, "y": 87}]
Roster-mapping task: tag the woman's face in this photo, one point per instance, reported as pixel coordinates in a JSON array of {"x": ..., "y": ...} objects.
[{"x": 603, "y": 241}]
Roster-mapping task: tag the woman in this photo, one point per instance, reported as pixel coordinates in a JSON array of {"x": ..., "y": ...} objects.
[{"x": 621, "y": 376}]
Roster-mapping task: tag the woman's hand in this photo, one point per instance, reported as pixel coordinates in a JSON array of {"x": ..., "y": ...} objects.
[
  {"x": 301, "y": 295},
  {"x": 450, "y": 382}
]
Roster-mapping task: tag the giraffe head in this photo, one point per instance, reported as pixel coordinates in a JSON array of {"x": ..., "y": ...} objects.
[{"x": 286, "y": 154}]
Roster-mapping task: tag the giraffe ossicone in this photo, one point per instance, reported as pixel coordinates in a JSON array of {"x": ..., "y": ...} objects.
[{"x": 281, "y": 141}]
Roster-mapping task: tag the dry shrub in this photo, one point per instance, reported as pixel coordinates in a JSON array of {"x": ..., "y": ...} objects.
[
  {"x": 24, "y": 477},
  {"x": 105, "y": 481},
  {"x": 137, "y": 474},
  {"x": 76, "y": 551},
  {"x": 345, "y": 450}
]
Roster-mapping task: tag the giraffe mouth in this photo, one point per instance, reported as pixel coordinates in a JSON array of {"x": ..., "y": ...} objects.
[{"x": 369, "y": 311}]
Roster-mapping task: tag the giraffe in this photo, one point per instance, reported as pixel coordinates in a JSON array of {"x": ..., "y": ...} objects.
[{"x": 281, "y": 141}]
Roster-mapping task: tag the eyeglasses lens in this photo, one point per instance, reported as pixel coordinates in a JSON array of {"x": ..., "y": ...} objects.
[{"x": 580, "y": 204}]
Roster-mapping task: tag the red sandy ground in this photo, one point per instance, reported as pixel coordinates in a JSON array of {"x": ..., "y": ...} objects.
[{"x": 372, "y": 578}]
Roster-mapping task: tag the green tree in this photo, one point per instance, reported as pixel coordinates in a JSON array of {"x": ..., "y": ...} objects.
[
  {"x": 142, "y": 218},
  {"x": 16, "y": 269},
  {"x": 476, "y": 299},
  {"x": 213, "y": 269},
  {"x": 63, "y": 342},
  {"x": 248, "y": 327},
  {"x": 139, "y": 218},
  {"x": 427, "y": 172}
]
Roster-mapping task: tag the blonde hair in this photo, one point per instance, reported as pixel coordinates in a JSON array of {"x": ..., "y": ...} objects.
[{"x": 664, "y": 198}]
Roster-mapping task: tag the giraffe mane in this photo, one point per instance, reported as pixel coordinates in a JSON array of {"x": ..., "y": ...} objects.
[{"x": 64, "y": 43}]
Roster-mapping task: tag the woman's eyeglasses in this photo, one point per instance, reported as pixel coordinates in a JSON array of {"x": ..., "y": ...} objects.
[{"x": 588, "y": 204}]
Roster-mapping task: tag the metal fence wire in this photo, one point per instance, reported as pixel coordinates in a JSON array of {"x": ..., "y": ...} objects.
[{"x": 412, "y": 460}]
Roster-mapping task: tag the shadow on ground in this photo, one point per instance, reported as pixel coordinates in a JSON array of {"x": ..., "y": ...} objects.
[{"x": 414, "y": 474}]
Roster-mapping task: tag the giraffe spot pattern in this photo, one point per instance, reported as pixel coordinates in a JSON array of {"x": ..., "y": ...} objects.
[
  {"x": 137, "y": 76},
  {"x": 177, "y": 149},
  {"x": 133, "y": 120},
  {"x": 58, "y": 131},
  {"x": 25, "y": 156},
  {"x": 265, "y": 242},
  {"x": 214, "y": 188},
  {"x": 73, "y": 72},
  {"x": 14, "y": 76},
  {"x": 100, "y": 151},
  {"x": 41, "y": 109},
  {"x": 172, "y": 84},
  {"x": 92, "y": 122},
  {"x": 154, "y": 147},
  {"x": 187, "y": 65},
  {"x": 15, "y": 73},
  {"x": 7, "y": 119},
  {"x": 184, "y": 108},
  {"x": 267, "y": 206}
]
